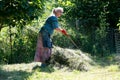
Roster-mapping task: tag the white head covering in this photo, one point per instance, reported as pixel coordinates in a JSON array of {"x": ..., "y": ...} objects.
[{"x": 55, "y": 10}]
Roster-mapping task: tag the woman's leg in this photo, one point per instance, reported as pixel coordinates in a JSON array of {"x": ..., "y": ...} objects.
[{"x": 47, "y": 54}]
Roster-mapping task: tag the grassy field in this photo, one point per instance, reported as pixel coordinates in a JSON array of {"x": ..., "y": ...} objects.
[{"x": 29, "y": 72}]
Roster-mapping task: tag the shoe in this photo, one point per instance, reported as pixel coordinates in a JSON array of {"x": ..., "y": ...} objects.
[
  {"x": 48, "y": 61},
  {"x": 43, "y": 65}
]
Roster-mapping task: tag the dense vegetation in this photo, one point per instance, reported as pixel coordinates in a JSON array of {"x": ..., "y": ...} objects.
[
  {"x": 91, "y": 24},
  {"x": 15, "y": 39}
]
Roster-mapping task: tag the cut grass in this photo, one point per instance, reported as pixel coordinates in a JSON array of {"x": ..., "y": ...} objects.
[
  {"x": 113, "y": 68},
  {"x": 26, "y": 72}
]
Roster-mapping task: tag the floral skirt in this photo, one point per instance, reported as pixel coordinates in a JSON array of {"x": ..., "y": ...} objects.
[{"x": 42, "y": 53}]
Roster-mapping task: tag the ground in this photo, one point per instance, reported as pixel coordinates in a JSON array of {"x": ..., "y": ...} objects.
[
  {"x": 98, "y": 68},
  {"x": 32, "y": 71}
]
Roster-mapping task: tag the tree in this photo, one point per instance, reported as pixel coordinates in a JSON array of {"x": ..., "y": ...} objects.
[
  {"x": 94, "y": 20},
  {"x": 14, "y": 12}
]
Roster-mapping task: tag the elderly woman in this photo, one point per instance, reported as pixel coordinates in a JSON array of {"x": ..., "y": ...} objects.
[{"x": 44, "y": 43}]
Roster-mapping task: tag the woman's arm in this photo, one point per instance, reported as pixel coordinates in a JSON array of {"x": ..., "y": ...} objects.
[
  {"x": 63, "y": 31},
  {"x": 59, "y": 29}
]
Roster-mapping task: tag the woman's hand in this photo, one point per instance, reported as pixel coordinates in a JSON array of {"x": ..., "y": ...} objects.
[{"x": 63, "y": 31}]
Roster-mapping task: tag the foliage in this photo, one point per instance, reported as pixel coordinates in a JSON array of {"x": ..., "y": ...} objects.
[
  {"x": 119, "y": 24},
  {"x": 23, "y": 44},
  {"x": 16, "y": 33},
  {"x": 92, "y": 24},
  {"x": 14, "y": 12}
]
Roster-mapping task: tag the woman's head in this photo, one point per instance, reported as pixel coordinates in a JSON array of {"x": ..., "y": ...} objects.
[{"x": 57, "y": 11}]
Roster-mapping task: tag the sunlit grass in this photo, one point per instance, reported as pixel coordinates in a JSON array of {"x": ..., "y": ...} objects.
[
  {"x": 25, "y": 72},
  {"x": 113, "y": 68}
]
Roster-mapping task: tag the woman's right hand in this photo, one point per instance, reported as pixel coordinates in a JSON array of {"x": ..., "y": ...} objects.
[{"x": 64, "y": 32}]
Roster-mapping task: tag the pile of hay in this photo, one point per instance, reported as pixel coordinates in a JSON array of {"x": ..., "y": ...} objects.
[{"x": 74, "y": 59}]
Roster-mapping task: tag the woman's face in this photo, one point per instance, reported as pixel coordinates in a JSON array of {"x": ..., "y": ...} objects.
[{"x": 58, "y": 13}]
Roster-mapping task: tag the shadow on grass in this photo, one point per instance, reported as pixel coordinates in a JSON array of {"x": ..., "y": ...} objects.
[
  {"x": 22, "y": 74},
  {"x": 14, "y": 75},
  {"x": 106, "y": 60},
  {"x": 48, "y": 69}
]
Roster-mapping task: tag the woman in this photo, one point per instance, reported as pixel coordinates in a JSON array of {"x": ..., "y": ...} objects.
[{"x": 44, "y": 43}]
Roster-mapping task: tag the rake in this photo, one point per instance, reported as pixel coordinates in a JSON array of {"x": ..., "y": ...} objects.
[{"x": 72, "y": 41}]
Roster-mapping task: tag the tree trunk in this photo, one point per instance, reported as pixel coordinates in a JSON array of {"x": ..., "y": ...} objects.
[{"x": 0, "y": 26}]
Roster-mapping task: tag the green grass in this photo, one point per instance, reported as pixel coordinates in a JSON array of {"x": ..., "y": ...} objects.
[{"x": 26, "y": 72}]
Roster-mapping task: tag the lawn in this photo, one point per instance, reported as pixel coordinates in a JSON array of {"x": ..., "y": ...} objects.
[{"x": 32, "y": 71}]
